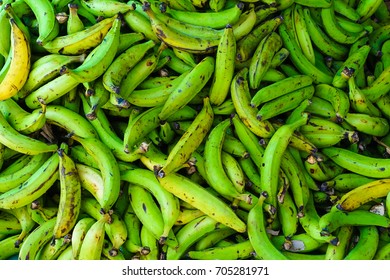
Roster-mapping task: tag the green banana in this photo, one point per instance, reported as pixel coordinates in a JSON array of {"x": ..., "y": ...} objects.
[
  {"x": 99, "y": 59},
  {"x": 36, "y": 240},
  {"x": 81, "y": 41},
  {"x": 8, "y": 248},
  {"x": 48, "y": 25},
  {"x": 78, "y": 234},
  {"x": 257, "y": 233},
  {"x": 189, "y": 87},
  {"x": 224, "y": 71},
  {"x": 189, "y": 141},
  {"x": 262, "y": 57},
  {"x": 169, "y": 204},
  {"x": 106, "y": 8},
  {"x": 214, "y": 167},
  {"x": 337, "y": 97},
  {"x": 371, "y": 125},
  {"x": 70, "y": 194},
  {"x": 74, "y": 22},
  {"x": 92, "y": 244},
  {"x": 117, "y": 70},
  {"x": 240, "y": 95},
  {"x": 33, "y": 187}
]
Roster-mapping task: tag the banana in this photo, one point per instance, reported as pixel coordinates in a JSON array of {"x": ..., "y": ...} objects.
[
  {"x": 190, "y": 233},
  {"x": 189, "y": 87},
  {"x": 70, "y": 121},
  {"x": 335, "y": 31},
  {"x": 257, "y": 233},
  {"x": 224, "y": 71},
  {"x": 297, "y": 57},
  {"x": 46, "y": 69},
  {"x": 99, "y": 59},
  {"x": 122, "y": 64},
  {"x": 338, "y": 252},
  {"x": 342, "y": 8},
  {"x": 10, "y": 224},
  {"x": 36, "y": 185},
  {"x": 210, "y": 19},
  {"x": 149, "y": 241},
  {"x": 26, "y": 222},
  {"x": 198, "y": 197},
  {"x": 322, "y": 108},
  {"x": 337, "y": 97},
  {"x": 284, "y": 103},
  {"x": 169, "y": 204},
  {"x": 20, "y": 170},
  {"x": 8, "y": 248},
  {"x": 371, "y": 125},
  {"x": 351, "y": 66},
  {"x": 36, "y": 240},
  {"x": 51, "y": 250},
  {"x": 345, "y": 182},
  {"x": 133, "y": 225},
  {"x": 334, "y": 219},
  {"x": 92, "y": 244},
  {"x": 214, "y": 167},
  {"x": 379, "y": 87},
  {"x": 238, "y": 251},
  {"x": 74, "y": 22},
  {"x": 362, "y": 194},
  {"x": 106, "y": 8},
  {"x": 70, "y": 195},
  {"x": 367, "y": 8},
  {"x": 367, "y": 245},
  {"x": 181, "y": 41},
  {"x": 51, "y": 90},
  {"x": 21, "y": 120},
  {"x": 315, "y": 4},
  {"x": 234, "y": 146},
  {"x": 108, "y": 167},
  {"x": 272, "y": 158},
  {"x": 247, "y": 45},
  {"x": 288, "y": 215},
  {"x": 322, "y": 170},
  {"x": 240, "y": 94},
  {"x": 302, "y": 33},
  {"x": 359, "y": 102},
  {"x": 78, "y": 234},
  {"x": 109, "y": 136},
  {"x": 81, "y": 41},
  {"x": 20, "y": 142},
  {"x": 189, "y": 141},
  {"x": 20, "y": 52},
  {"x": 139, "y": 72},
  {"x": 140, "y": 126},
  {"x": 213, "y": 238},
  {"x": 262, "y": 57},
  {"x": 48, "y": 26},
  {"x": 149, "y": 213}
]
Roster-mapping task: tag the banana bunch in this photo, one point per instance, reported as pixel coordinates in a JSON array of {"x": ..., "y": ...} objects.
[{"x": 197, "y": 129}]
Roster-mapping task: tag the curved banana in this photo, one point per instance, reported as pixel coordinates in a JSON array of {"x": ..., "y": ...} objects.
[
  {"x": 371, "y": 125},
  {"x": 48, "y": 26},
  {"x": 189, "y": 141},
  {"x": 92, "y": 244},
  {"x": 106, "y": 8},
  {"x": 78, "y": 234},
  {"x": 216, "y": 174},
  {"x": 257, "y": 233},
  {"x": 189, "y": 87},
  {"x": 240, "y": 95},
  {"x": 36, "y": 240},
  {"x": 108, "y": 167},
  {"x": 20, "y": 52},
  {"x": 337, "y": 97},
  {"x": 363, "y": 194},
  {"x": 99, "y": 59},
  {"x": 224, "y": 71},
  {"x": 122, "y": 64},
  {"x": 169, "y": 204},
  {"x": 190, "y": 234},
  {"x": 194, "y": 194},
  {"x": 81, "y": 41},
  {"x": 70, "y": 195},
  {"x": 47, "y": 68},
  {"x": 8, "y": 248}
]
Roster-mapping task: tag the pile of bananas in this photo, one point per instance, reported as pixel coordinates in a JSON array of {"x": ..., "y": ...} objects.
[{"x": 196, "y": 129}]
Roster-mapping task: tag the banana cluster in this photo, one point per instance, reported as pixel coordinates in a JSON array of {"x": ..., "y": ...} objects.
[{"x": 196, "y": 129}]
